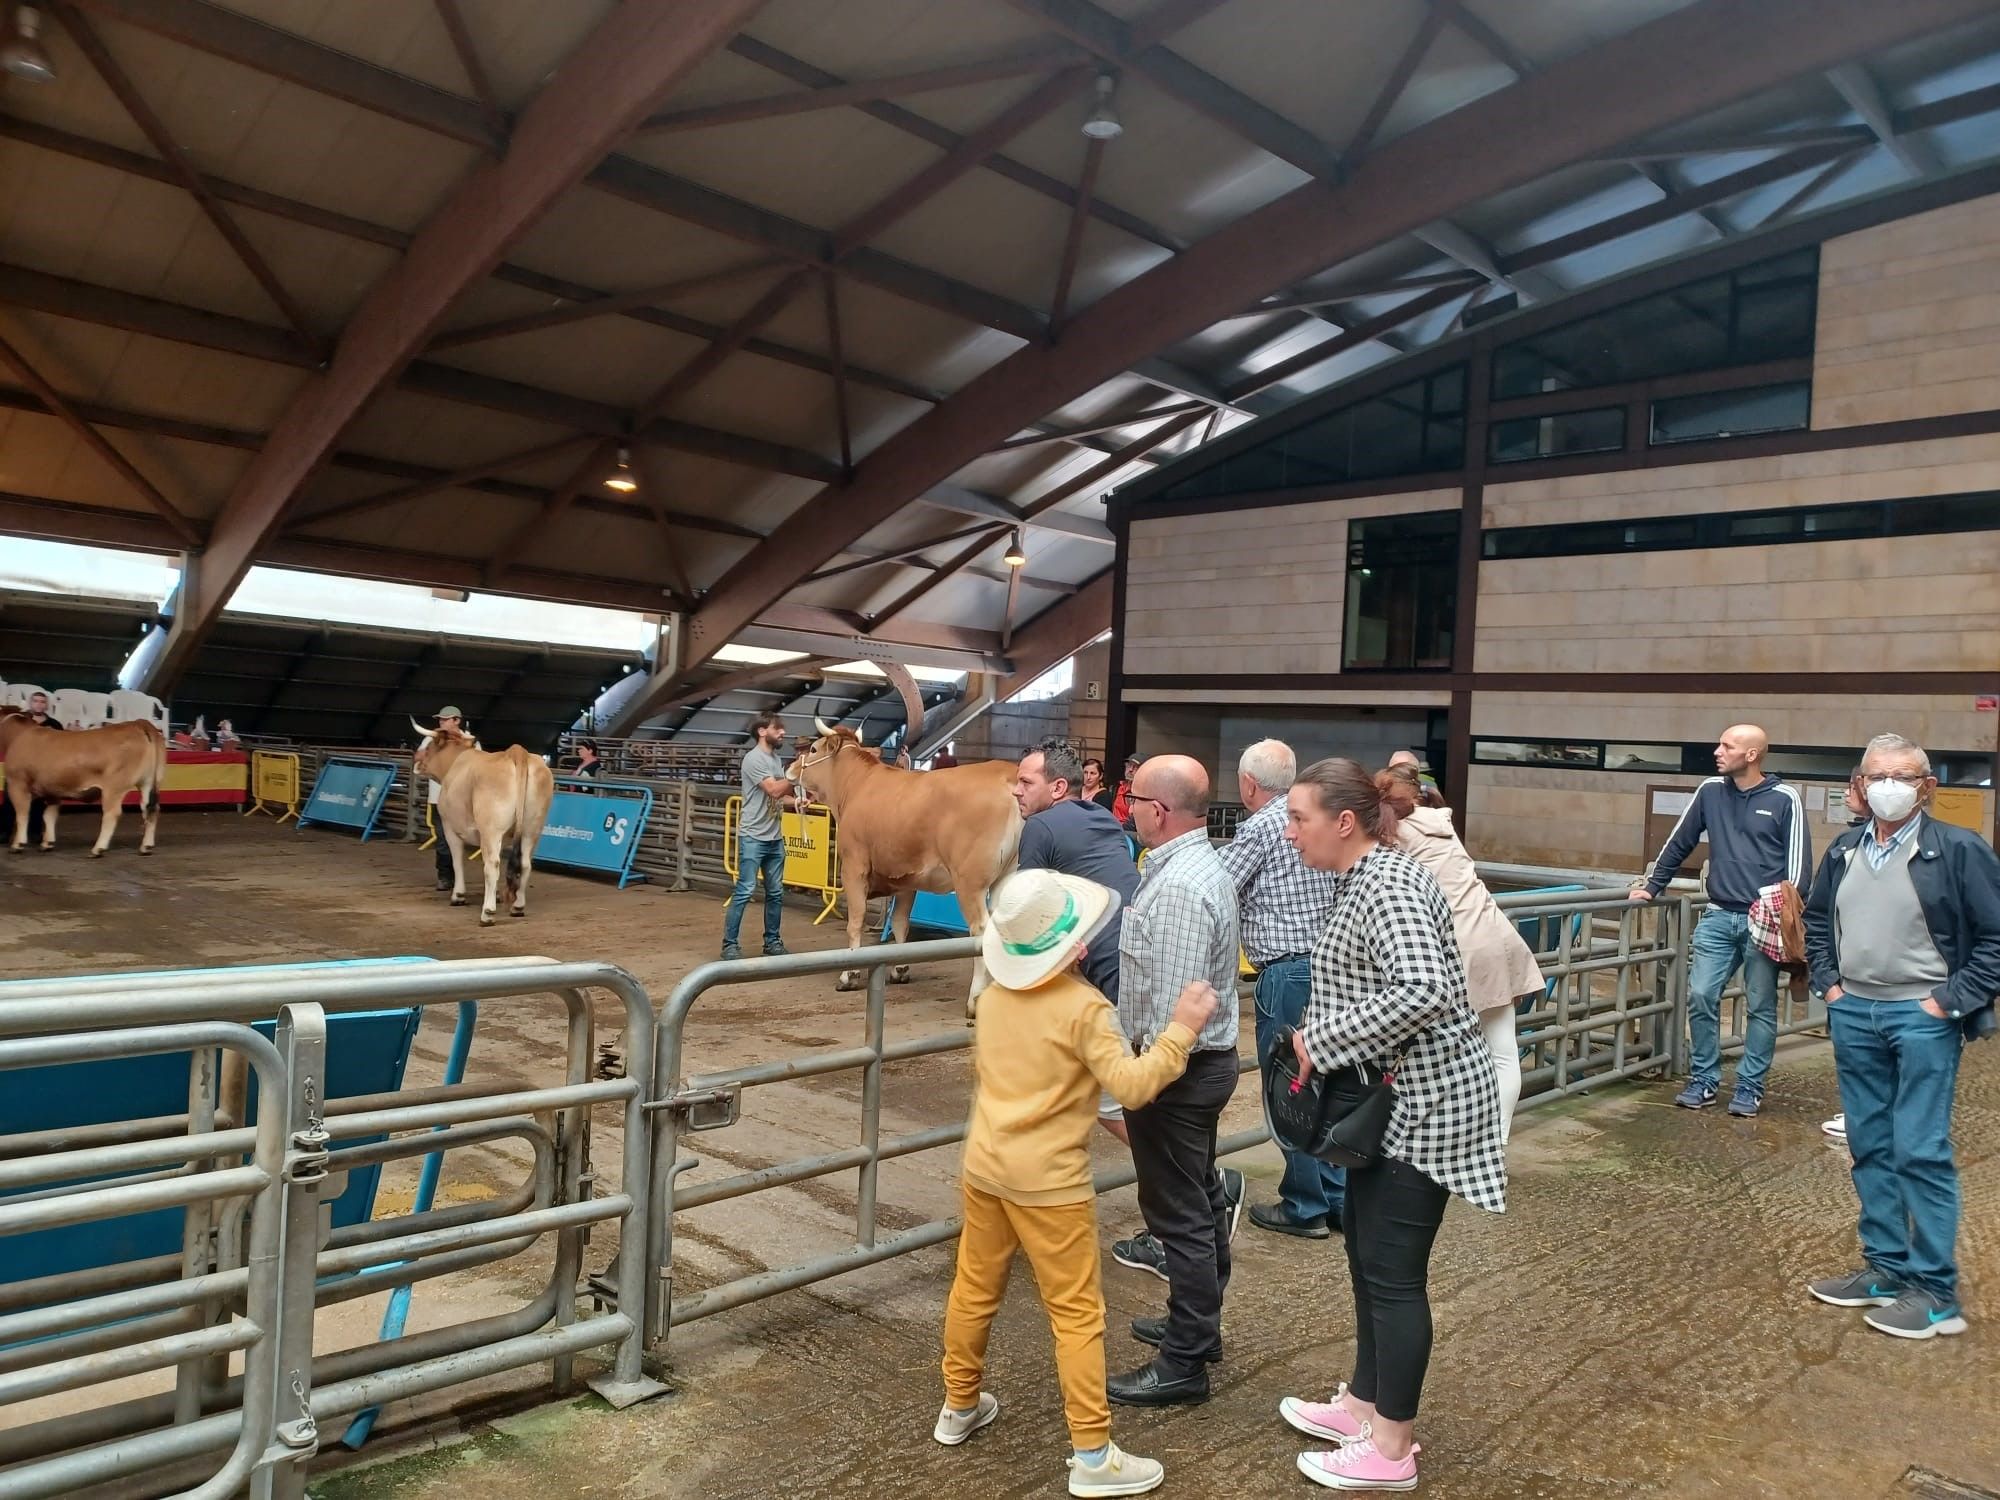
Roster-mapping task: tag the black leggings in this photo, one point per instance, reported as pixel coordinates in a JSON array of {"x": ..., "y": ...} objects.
[{"x": 1392, "y": 1217}]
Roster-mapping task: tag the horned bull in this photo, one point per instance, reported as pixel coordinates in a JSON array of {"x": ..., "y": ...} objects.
[
  {"x": 52, "y": 764},
  {"x": 904, "y": 831},
  {"x": 498, "y": 800}
]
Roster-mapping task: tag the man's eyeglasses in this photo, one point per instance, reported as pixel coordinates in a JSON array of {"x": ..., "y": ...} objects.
[
  {"x": 1154, "y": 800},
  {"x": 1907, "y": 778}
]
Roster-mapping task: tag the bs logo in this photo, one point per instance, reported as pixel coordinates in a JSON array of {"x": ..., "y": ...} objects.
[{"x": 617, "y": 827}]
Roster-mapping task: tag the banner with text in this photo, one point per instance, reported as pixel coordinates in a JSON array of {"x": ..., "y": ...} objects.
[{"x": 349, "y": 793}]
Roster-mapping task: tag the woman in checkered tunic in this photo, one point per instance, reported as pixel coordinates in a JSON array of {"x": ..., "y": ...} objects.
[{"x": 1389, "y": 988}]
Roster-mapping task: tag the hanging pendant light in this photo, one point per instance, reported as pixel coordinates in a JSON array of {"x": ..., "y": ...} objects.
[
  {"x": 1017, "y": 553},
  {"x": 621, "y": 479},
  {"x": 23, "y": 55},
  {"x": 1104, "y": 124}
]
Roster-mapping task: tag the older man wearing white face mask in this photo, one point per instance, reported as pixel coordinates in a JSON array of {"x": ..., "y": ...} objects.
[{"x": 1903, "y": 937}]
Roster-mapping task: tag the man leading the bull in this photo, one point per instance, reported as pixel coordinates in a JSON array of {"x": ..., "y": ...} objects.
[
  {"x": 451, "y": 719},
  {"x": 1181, "y": 927},
  {"x": 760, "y": 839}
]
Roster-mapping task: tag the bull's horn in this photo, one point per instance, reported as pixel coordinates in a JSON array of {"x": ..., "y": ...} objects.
[
  {"x": 821, "y": 725},
  {"x": 422, "y": 732},
  {"x": 857, "y": 735}
]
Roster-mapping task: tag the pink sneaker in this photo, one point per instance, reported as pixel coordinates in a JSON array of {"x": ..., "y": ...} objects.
[
  {"x": 1359, "y": 1465},
  {"x": 1323, "y": 1419}
]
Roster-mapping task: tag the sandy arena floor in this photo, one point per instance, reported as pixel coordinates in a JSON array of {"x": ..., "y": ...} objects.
[{"x": 1633, "y": 1327}]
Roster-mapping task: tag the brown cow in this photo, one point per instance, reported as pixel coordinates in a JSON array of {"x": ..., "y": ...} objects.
[
  {"x": 901, "y": 831},
  {"x": 51, "y": 764},
  {"x": 495, "y": 799}
]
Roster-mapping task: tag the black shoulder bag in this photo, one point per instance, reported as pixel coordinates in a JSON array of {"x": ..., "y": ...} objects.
[{"x": 1339, "y": 1117}]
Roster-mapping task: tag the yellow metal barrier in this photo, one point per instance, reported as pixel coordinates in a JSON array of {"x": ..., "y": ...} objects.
[
  {"x": 274, "y": 779},
  {"x": 809, "y": 852}
]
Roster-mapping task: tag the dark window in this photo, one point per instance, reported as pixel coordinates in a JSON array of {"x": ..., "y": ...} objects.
[
  {"x": 1416, "y": 428},
  {"x": 1813, "y": 763},
  {"x": 1764, "y": 408},
  {"x": 1566, "y": 755},
  {"x": 1402, "y": 592},
  {"x": 1929, "y": 516},
  {"x": 1744, "y": 317},
  {"x": 1597, "y": 431}
]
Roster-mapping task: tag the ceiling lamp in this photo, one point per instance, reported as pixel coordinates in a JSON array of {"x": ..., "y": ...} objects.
[
  {"x": 23, "y": 56},
  {"x": 1104, "y": 124},
  {"x": 1017, "y": 554},
  {"x": 621, "y": 478}
]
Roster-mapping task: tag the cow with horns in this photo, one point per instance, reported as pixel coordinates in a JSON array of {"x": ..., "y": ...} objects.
[
  {"x": 901, "y": 831},
  {"x": 54, "y": 764},
  {"x": 498, "y": 800}
]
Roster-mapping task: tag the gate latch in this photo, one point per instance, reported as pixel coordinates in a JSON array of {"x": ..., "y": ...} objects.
[{"x": 704, "y": 1109}]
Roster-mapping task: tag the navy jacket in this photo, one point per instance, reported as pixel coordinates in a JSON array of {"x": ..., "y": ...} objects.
[
  {"x": 1957, "y": 876},
  {"x": 1755, "y": 838},
  {"x": 1083, "y": 839}
]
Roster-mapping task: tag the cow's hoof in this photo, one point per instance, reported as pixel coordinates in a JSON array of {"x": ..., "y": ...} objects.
[
  {"x": 971, "y": 1011},
  {"x": 899, "y": 974},
  {"x": 849, "y": 980},
  {"x": 97, "y": 854},
  {"x": 486, "y": 919},
  {"x": 519, "y": 911},
  {"x": 458, "y": 900},
  {"x": 145, "y": 851}
]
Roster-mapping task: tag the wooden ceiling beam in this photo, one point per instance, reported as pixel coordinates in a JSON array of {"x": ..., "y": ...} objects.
[
  {"x": 1137, "y": 47},
  {"x": 59, "y": 406},
  {"x": 1086, "y": 189},
  {"x": 1687, "y": 62},
  {"x": 866, "y": 90},
  {"x": 475, "y": 70},
  {"x": 602, "y": 90},
  {"x": 603, "y": 306},
  {"x": 964, "y": 558},
  {"x": 1100, "y": 473}
]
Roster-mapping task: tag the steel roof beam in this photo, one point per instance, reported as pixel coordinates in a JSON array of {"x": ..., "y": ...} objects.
[
  {"x": 965, "y": 502},
  {"x": 603, "y": 89},
  {"x": 1864, "y": 95},
  {"x": 865, "y": 90},
  {"x": 1699, "y": 58},
  {"x": 1137, "y": 47}
]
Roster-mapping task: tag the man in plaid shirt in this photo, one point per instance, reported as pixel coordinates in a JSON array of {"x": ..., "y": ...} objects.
[
  {"x": 1284, "y": 907},
  {"x": 1181, "y": 926}
]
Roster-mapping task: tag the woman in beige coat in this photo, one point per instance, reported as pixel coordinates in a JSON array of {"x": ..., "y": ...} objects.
[{"x": 1499, "y": 966}]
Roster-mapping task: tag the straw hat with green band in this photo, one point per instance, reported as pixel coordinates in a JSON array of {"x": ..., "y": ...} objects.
[{"x": 1036, "y": 921}]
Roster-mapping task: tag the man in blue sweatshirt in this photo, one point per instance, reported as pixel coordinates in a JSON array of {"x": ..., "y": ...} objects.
[{"x": 1757, "y": 836}]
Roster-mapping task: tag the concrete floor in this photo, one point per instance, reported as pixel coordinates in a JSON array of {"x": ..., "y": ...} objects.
[{"x": 1633, "y": 1327}]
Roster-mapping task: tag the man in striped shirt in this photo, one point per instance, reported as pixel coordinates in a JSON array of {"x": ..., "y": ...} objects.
[
  {"x": 1284, "y": 909},
  {"x": 1756, "y": 830}
]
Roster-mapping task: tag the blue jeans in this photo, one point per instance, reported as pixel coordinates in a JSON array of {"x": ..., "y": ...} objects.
[
  {"x": 1310, "y": 1188},
  {"x": 1898, "y": 1068},
  {"x": 753, "y": 855},
  {"x": 1722, "y": 944}
]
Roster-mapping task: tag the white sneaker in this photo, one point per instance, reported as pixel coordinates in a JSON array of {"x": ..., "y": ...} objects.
[
  {"x": 1836, "y": 1128},
  {"x": 954, "y": 1427},
  {"x": 1121, "y": 1473}
]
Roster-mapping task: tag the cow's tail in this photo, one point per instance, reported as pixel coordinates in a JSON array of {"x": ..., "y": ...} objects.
[
  {"x": 149, "y": 800},
  {"x": 511, "y": 855}
]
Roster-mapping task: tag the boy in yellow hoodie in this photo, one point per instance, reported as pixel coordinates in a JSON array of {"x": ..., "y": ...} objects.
[{"x": 1044, "y": 1043}]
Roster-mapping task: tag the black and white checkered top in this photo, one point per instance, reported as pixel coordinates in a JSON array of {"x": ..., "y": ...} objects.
[{"x": 1386, "y": 975}]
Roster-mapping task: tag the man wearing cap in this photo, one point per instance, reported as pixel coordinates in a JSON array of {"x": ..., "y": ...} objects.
[
  {"x": 1121, "y": 800},
  {"x": 448, "y": 717},
  {"x": 1046, "y": 1043}
]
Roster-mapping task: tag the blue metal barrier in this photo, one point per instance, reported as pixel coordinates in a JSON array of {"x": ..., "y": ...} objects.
[
  {"x": 595, "y": 825},
  {"x": 349, "y": 792}
]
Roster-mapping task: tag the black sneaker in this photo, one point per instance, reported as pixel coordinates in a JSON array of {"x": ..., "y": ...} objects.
[
  {"x": 1142, "y": 1253},
  {"x": 1232, "y": 1198},
  {"x": 775, "y": 950},
  {"x": 731, "y": 951},
  {"x": 1278, "y": 1219}
]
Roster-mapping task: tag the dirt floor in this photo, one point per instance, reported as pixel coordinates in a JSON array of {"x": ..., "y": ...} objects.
[{"x": 1634, "y": 1326}]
